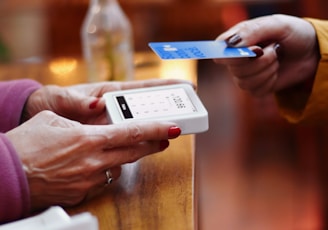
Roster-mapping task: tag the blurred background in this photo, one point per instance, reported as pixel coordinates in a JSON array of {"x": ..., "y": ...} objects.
[
  {"x": 52, "y": 28},
  {"x": 253, "y": 169}
]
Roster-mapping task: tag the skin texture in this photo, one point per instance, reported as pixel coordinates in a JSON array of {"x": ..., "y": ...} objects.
[
  {"x": 65, "y": 156},
  {"x": 287, "y": 53}
]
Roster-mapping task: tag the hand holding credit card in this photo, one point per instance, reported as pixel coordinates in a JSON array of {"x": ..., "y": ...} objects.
[{"x": 198, "y": 50}]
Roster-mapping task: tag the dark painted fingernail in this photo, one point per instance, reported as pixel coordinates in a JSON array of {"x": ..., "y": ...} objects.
[
  {"x": 258, "y": 51},
  {"x": 174, "y": 132},
  {"x": 234, "y": 40},
  {"x": 93, "y": 105},
  {"x": 163, "y": 145}
]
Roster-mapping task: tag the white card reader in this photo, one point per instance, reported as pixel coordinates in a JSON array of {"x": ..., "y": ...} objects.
[{"x": 177, "y": 103}]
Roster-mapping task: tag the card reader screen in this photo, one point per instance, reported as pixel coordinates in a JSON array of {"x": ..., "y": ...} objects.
[{"x": 158, "y": 103}]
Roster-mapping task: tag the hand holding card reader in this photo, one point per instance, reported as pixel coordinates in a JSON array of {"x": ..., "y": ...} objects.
[{"x": 177, "y": 103}]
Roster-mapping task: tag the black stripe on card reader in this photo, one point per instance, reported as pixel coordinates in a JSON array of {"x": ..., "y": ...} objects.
[{"x": 124, "y": 107}]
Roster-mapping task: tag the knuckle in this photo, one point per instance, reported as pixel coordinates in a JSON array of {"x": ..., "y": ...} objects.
[
  {"x": 57, "y": 92},
  {"x": 135, "y": 133},
  {"x": 46, "y": 113},
  {"x": 91, "y": 165},
  {"x": 61, "y": 95},
  {"x": 255, "y": 27}
]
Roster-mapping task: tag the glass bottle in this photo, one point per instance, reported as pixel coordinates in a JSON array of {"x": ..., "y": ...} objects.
[{"x": 107, "y": 42}]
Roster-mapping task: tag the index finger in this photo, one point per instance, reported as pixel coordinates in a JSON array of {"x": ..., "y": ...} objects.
[
  {"x": 256, "y": 31},
  {"x": 125, "y": 134}
]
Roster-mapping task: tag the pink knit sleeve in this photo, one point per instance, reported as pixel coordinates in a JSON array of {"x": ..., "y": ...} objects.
[
  {"x": 13, "y": 95},
  {"x": 14, "y": 190}
]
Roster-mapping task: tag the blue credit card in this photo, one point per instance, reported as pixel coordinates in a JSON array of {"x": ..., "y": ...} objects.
[{"x": 198, "y": 50}]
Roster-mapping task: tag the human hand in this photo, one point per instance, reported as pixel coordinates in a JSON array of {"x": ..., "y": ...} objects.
[
  {"x": 66, "y": 161},
  {"x": 83, "y": 102},
  {"x": 287, "y": 53}
]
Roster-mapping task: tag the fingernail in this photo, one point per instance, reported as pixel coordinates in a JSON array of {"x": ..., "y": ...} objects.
[
  {"x": 93, "y": 104},
  {"x": 258, "y": 51},
  {"x": 174, "y": 132},
  {"x": 163, "y": 144},
  {"x": 234, "y": 40}
]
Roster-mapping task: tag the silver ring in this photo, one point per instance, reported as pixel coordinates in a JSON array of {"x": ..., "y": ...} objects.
[{"x": 109, "y": 178}]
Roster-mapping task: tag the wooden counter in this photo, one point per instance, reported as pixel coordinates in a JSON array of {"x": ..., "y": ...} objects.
[{"x": 154, "y": 193}]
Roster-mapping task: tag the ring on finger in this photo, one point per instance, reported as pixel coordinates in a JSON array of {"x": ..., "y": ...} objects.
[{"x": 109, "y": 177}]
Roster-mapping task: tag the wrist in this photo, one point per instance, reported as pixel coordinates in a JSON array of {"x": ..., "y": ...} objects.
[
  {"x": 27, "y": 111},
  {"x": 25, "y": 114}
]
